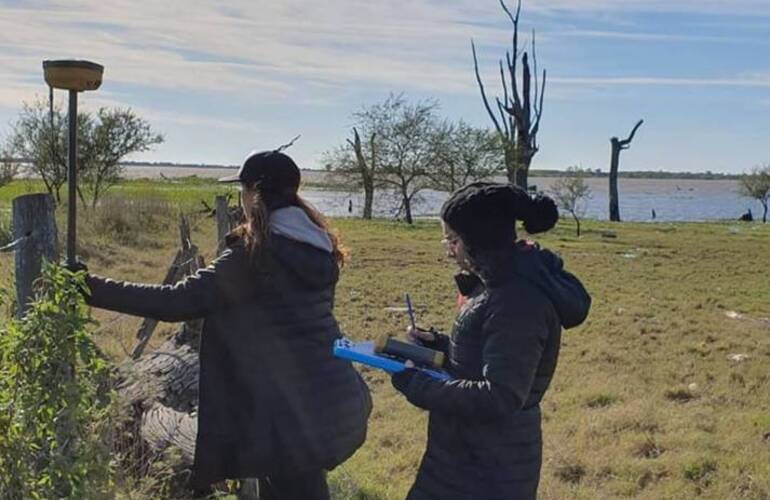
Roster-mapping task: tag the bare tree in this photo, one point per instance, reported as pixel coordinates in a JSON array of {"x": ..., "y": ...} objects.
[
  {"x": 110, "y": 137},
  {"x": 756, "y": 184},
  {"x": 569, "y": 191},
  {"x": 464, "y": 154},
  {"x": 9, "y": 168},
  {"x": 353, "y": 166},
  {"x": 519, "y": 112},
  {"x": 39, "y": 135},
  {"x": 366, "y": 167},
  {"x": 393, "y": 147},
  {"x": 408, "y": 152},
  {"x": 618, "y": 146}
]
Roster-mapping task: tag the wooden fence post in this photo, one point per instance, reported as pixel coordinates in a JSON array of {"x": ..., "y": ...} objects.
[
  {"x": 35, "y": 235},
  {"x": 223, "y": 221},
  {"x": 186, "y": 262}
]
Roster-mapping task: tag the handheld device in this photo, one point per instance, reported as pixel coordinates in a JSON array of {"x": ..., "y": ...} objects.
[
  {"x": 418, "y": 354},
  {"x": 364, "y": 352}
]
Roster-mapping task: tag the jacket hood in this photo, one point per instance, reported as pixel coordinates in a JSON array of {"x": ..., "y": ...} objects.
[
  {"x": 293, "y": 223},
  {"x": 303, "y": 247},
  {"x": 545, "y": 270}
]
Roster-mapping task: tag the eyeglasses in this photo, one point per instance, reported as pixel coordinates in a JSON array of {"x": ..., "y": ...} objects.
[{"x": 450, "y": 241}]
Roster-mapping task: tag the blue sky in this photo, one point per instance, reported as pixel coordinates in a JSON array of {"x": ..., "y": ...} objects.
[{"x": 222, "y": 78}]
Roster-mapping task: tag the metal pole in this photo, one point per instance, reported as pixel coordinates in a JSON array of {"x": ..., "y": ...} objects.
[{"x": 72, "y": 150}]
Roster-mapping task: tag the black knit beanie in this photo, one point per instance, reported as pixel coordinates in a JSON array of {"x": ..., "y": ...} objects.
[{"x": 484, "y": 214}]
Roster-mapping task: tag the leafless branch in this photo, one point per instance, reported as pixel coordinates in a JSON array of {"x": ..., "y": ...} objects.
[
  {"x": 538, "y": 114},
  {"x": 505, "y": 84},
  {"x": 506, "y": 120},
  {"x": 526, "y": 82},
  {"x": 534, "y": 70},
  {"x": 483, "y": 92},
  {"x": 624, "y": 143},
  {"x": 514, "y": 19}
]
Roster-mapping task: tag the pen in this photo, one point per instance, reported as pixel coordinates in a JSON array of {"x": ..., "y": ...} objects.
[{"x": 410, "y": 311}]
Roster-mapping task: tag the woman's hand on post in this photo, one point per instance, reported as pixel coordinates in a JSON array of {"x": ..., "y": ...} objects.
[{"x": 75, "y": 266}]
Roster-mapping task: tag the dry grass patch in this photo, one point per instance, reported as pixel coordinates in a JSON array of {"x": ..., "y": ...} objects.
[{"x": 621, "y": 418}]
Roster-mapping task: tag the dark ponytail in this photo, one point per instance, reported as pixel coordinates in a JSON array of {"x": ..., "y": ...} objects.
[{"x": 539, "y": 215}]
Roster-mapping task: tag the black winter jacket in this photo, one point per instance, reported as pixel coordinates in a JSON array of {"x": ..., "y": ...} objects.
[
  {"x": 273, "y": 399},
  {"x": 484, "y": 440}
]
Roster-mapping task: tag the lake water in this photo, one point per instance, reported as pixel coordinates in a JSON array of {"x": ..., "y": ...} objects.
[{"x": 672, "y": 199}]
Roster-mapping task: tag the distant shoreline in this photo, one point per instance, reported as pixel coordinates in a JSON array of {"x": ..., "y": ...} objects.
[
  {"x": 319, "y": 173},
  {"x": 633, "y": 174}
]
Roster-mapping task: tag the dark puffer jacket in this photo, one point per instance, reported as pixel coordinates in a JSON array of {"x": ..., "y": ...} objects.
[
  {"x": 273, "y": 399},
  {"x": 484, "y": 435}
]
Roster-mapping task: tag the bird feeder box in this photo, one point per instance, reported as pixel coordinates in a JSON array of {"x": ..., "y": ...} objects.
[{"x": 73, "y": 74}]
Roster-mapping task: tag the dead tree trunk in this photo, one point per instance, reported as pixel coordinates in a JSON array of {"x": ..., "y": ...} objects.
[
  {"x": 35, "y": 236},
  {"x": 577, "y": 222},
  {"x": 365, "y": 169},
  {"x": 618, "y": 146},
  {"x": 519, "y": 112},
  {"x": 408, "y": 209}
]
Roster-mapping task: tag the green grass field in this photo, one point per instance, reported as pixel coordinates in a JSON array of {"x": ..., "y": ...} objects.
[{"x": 646, "y": 401}]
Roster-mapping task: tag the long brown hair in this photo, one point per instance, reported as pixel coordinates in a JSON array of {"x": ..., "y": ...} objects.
[{"x": 254, "y": 230}]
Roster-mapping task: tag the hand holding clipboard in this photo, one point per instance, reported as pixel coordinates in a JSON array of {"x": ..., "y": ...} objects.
[{"x": 394, "y": 355}]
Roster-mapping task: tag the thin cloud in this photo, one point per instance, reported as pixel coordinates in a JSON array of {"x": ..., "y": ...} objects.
[
  {"x": 663, "y": 81},
  {"x": 714, "y": 7},
  {"x": 263, "y": 51},
  {"x": 655, "y": 37},
  {"x": 275, "y": 49}
]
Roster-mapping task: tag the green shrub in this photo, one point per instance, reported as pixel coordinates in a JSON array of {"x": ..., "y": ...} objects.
[
  {"x": 699, "y": 470},
  {"x": 6, "y": 231},
  {"x": 53, "y": 397},
  {"x": 601, "y": 400}
]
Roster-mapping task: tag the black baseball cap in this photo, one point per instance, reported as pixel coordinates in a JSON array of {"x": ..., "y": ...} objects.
[{"x": 272, "y": 170}]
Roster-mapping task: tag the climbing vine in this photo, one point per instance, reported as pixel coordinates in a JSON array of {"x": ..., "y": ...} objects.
[{"x": 54, "y": 396}]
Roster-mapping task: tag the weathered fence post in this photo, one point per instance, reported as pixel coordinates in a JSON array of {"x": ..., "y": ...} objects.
[
  {"x": 186, "y": 261},
  {"x": 223, "y": 221},
  {"x": 34, "y": 232}
]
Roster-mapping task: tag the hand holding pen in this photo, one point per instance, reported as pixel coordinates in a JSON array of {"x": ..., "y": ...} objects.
[{"x": 414, "y": 334}]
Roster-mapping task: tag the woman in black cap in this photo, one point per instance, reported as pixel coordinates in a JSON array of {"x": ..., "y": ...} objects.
[
  {"x": 484, "y": 436},
  {"x": 274, "y": 403}
]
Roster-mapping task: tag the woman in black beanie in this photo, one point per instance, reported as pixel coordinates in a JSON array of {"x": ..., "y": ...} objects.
[{"x": 484, "y": 435}]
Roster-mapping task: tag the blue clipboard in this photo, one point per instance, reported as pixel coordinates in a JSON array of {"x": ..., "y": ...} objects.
[{"x": 363, "y": 352}]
